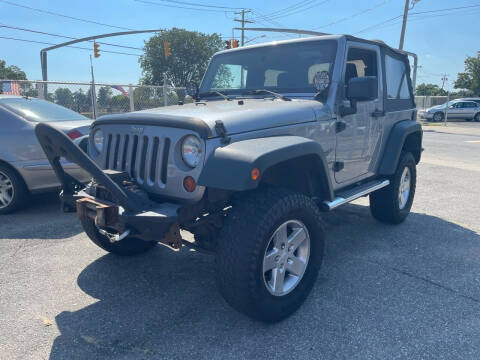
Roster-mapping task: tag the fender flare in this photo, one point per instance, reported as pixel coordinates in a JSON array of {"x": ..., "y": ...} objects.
[
  {"x": 229, "y": 167},
  {"x": 394, "y": 145}
]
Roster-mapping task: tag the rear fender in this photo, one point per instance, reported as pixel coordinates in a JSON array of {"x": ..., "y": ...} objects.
[{"x": 396, "y": 142}]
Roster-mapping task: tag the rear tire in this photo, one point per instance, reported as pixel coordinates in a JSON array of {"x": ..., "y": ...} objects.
[
  {"x": 13, "y": 191},
  {"x": 127, "y": 247},
  {"x": 269, "y": 253},
  {"x": 392, "y": 204}
]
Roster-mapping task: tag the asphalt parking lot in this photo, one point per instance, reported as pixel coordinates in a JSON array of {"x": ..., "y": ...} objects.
[{"x": 406, "y": 292}]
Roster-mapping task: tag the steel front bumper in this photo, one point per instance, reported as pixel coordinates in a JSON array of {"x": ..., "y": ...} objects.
[{"x": 129, "y": 211}]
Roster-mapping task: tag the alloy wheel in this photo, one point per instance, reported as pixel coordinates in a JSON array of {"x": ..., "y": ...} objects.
[
  {"x": 6, "y": 190},
  {"x": 404, "y": 188},
  {"x": 286, "y": 257}
]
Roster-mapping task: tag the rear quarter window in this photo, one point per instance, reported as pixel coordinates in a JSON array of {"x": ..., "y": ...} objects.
[{"x": 396, "y": 77}]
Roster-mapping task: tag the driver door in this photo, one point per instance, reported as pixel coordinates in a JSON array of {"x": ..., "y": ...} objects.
[{"x": 362, "y": 131}]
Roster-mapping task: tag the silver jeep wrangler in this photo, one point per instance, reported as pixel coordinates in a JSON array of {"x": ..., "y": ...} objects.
[{"x": 277, "y": 133}]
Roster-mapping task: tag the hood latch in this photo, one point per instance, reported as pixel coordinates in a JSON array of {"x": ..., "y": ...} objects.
[{"x": 221, "y": 131}]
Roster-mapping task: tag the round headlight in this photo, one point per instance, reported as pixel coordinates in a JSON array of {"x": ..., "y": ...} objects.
[
  {"x": 192, "y": 151},
  {"x": 98, "y": 140}
]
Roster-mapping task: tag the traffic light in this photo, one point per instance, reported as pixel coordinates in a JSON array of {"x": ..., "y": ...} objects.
[
  {"x": 234, "y": 43},
  {"x": 228, "y": 44},
  {"x": 96, "y": 50},
  {"x": 166, "y": 49}
]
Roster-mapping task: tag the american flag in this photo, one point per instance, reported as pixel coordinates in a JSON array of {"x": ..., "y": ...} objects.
[
  {"x": 11, "y": 88},
  {"x": 121, "y": 89}
]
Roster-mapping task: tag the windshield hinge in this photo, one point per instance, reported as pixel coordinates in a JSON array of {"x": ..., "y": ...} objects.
[{"x": 221, "y": 131}]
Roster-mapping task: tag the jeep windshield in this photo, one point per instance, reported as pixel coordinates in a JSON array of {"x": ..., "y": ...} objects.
[{"x": 291, "y": 68}]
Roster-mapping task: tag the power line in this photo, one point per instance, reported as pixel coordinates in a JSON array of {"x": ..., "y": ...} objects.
[
  {"x": 64, "y": 16},
  {"x": 426, "y": 17},
  {"x": 182, "y": 7},
  {"x": 378, "y": 25},
  {"x": 296, "y": 11},
  {"x": 354, "y": 15},
  {"x": 447, "y": 9},
  {"x": 73, "y": 47},
  {"x": 201, "y": 5},
  {"x": 290, "y": 8},
  {"x": 64, "y": 36}
]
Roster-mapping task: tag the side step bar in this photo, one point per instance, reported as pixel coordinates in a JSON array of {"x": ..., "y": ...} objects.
[{"x": 344, "y": 197}]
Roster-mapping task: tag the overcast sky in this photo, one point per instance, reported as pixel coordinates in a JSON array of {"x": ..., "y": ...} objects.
[{"x": 442, "y": 39}]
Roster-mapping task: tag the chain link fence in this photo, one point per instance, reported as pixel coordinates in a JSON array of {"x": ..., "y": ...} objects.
[
  {"x": 112, "y": 99},
  {"x": 425, "y": 102},
  {"x": 106, "y": 99}
]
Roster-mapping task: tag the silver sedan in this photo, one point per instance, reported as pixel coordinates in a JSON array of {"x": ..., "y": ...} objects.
[
  {"x": 24, "y": 169},
  {"x": 456, "y": 109}
]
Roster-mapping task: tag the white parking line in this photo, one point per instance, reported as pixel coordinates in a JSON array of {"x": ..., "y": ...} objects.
[{"x": 473, "y": 141}]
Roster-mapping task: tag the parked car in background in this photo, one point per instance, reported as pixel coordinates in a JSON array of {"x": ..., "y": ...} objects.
[
  {"x": 467, "y": 109},
  {"x": 475, "y": 99},
  {"x": 24, "y": 169}
]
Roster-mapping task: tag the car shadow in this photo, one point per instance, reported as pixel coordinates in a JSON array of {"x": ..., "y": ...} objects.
[
  {"x": 41, "y": 218},
  {"x": 377, "y": 281}
]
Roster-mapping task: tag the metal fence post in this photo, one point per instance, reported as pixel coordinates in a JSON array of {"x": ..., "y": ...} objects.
[
  {"x": 93, "y": 95},
  {"x": 165, "y": 90},
  {"x": 130, "y": 94},
  {"x": 446, "y": 109}
]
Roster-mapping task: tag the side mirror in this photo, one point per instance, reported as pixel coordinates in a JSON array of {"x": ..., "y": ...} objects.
[
  {"x": 363, "y": 88},
  {"x": 451, "y": 107},
  {"x": 191, "y": 89}
]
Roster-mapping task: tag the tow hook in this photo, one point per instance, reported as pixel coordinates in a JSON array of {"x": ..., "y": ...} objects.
[{"x": 114, "y": 237}]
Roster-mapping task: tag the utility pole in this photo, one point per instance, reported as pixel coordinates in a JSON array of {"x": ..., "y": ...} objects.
[
  {"x": 444, "y": 79},
  {"x": 404, "y": 24},
  {"x": 243, "y": 21},
  {"x": 93, "y": 93}
]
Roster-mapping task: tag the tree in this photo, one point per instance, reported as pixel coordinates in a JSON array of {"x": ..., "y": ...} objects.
[
  {"x": 190, "y": 53},
  {"x": 64, "y": 97},
  {"x": 104, "y": 96},
  {"x": 470, "y": 79},
  {"x": 430, "y": 90},
  {"x": 80, "y": 101},
  {"x": 11, "y": 72}
]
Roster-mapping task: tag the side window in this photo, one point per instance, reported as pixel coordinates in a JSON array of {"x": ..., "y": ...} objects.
[
  {"x": 397, "y": 83},
  {"x": 360, "y": 63},
  {"x": 470, "y": 105}
]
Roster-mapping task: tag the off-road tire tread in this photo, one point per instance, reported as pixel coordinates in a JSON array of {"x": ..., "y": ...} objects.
[
  {"x": 384, "y": 202},
  {"x": 238, "y": 255}
]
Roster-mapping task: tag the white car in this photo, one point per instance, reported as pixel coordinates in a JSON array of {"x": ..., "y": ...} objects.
[{"x": 457, "y": 109}]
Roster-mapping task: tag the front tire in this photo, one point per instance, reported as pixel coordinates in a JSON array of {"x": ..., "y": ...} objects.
[
  {"x": 392, "y": 204},
  {"x": 13, "y": 191},
  {"x": 438, "y": 117},
  {"x": 127, "y": 247},
  {"x": 477, "y": 117},
  {"x": 269, "y": 253}
]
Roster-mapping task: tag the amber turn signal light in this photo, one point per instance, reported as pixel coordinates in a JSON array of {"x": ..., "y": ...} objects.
[
  {"x": 255, "y": 174},
  {"x": 189, "y": 183}
]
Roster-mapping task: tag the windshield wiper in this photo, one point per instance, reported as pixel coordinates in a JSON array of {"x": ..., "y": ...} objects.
[
  {"x": 265, "y": 91},
  {"x": 213, "y": 92}
]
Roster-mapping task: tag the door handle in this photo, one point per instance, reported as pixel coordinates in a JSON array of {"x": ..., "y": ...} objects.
[{"x": 378, "y": 113}]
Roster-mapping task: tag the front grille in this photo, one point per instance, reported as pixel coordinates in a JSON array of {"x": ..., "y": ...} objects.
[{"x": 145, "y": 158}]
